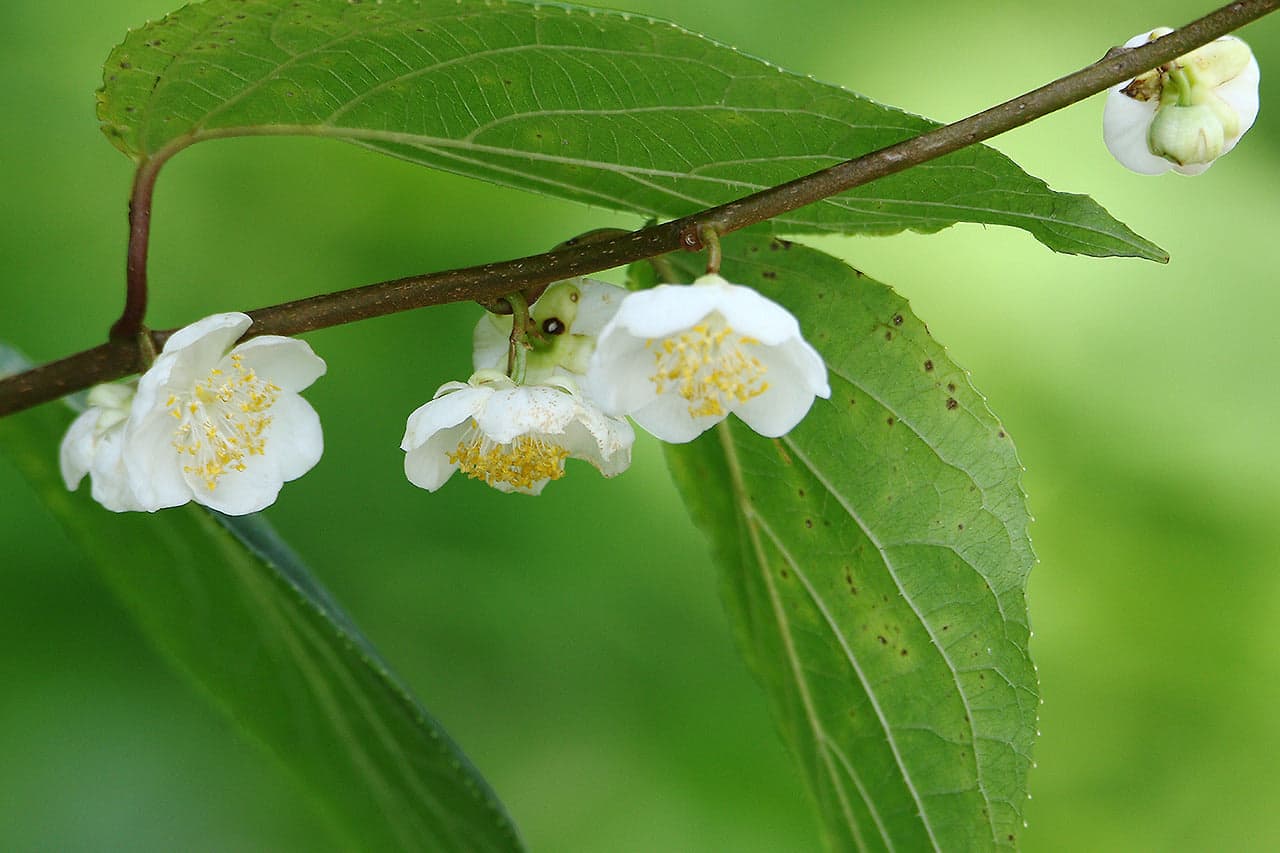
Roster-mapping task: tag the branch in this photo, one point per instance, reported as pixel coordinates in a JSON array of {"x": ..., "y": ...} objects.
[{"x": 529, "y": 275}]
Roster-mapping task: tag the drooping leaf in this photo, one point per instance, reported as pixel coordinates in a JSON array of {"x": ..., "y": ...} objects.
[
  {"x": 602, "y": 107},
  {"x": 229, "y": 603},
  {"x": 875, "y": 563}
]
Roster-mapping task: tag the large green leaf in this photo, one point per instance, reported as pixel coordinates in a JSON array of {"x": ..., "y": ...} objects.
[
  {"x": 603, "y": 107},
  {"x": 230, "y": 604},
  {"x": 875, "y": 562}
]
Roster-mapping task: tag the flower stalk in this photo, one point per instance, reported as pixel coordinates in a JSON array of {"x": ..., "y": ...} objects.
[{"x": 518, "y": 344}]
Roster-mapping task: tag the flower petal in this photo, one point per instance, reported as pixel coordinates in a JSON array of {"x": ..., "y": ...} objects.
[
  {"x": 443, "y": 412},
  {"x": 794, "y": 380},
  {"x": 490, "y": 341},
  {"x": 196, "y": 349},
  {"x": 750, "y": 313},
  {"x": 602, "y": 441},
  {"x": 427, "y": 464},
  {"x": 525, "y": 410},
  {"x": 287, "y": 362},
  {"x": 1125, "y": 122},
  {"x": 1240, "y": 93},
  {"x": 667, "y": 417},
  {"x": 599, "y": 303},
  {"x": 294, "y": 438},
  {"x": 619, "y": 377},
  {"x": 240, "y": 492},
  {"x": 662, "y": 310},
  {"x": 111, "y": 485},
  {"x": 153, "y": 464},
  {"x": 75, "y": 454}
]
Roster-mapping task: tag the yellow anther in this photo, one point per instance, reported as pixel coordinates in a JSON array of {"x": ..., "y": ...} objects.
[
  {"x": 707, "y": 366},
  {"x": 521, "y": 464},
  {"x": 223, "y": 421}
]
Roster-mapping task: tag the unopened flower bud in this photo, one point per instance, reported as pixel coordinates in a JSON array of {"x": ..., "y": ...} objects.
[
  {"x": 1186, "y": 135},
  {"x": 1185, "y": 114}
]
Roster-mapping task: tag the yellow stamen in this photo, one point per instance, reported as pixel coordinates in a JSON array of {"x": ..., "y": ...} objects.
[
  {"x": 521, "y": 464},
  {"x": 708, "y": 367},
  {"x": 224, "y": 419}
]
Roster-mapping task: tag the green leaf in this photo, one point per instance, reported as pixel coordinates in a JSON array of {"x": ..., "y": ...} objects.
[
  {"x": 229, "y": 604},
  {"x": 602, "y": 107},
  {"x": 875, "y": 564}
]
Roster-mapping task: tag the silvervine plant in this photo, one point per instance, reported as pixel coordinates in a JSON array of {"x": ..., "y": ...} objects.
[{"x": 874, "y": 557}]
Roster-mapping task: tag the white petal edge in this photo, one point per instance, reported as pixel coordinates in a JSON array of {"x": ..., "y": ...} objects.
[
  {"x": 192, "y": 351},
  {"x": 749, "y": 312},
  {"x": 75, "y": 454},
  {"x": 1125, "y": 122},
  {"x": 153, "y": 464},
  {"x": 526, "y": 409},
  {"x": 444, "y": 411},
  {"x": 111, "y": 485},
  {"x": 427, "y": 465},
  {"x": 662, "y": 310},
  {"x": 288, "y": 363},
  {"x": 294, "y": 440}
]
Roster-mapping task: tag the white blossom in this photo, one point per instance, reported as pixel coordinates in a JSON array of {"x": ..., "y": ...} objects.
[
  {"x": 566, "y": 319},
  {"x": 514, "y": 437},
  {"x": 680, "y": 358},
  {"x": 223, "y": 428},
  {"x": 1185, "y": 114},
  {"x": 93, "y": 445}
]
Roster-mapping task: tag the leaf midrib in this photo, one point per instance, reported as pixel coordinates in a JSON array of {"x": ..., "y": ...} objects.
[
  {"x": 859, "y": 204},
  {"x": 820, "y": 736},
  {"x": 847, "y": 505}
]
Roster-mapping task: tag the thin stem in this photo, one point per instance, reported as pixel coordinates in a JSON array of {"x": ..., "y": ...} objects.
[
  {"x": 528, "y": 275},
  {"x": 711, "y": 239},
  {"x": 129, "y": 325},
  {"x": 518, "y": 345}
]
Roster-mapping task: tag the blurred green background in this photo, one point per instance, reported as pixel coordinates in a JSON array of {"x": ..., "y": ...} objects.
[{"x": 584, "y": 662}]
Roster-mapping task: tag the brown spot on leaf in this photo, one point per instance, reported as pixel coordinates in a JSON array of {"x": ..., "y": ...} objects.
[
  {"x": 889, "y": 421},
  {"x": 951, "y": 403},
  {"x": 897, "y": 319},
  {"x": 769, "y": 274},
  {"x": 928, "y": 364},
  {"x": 951, "y": 386}
]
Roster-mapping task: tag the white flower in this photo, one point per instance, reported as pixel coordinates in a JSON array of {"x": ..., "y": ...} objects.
[
  {"x": 93, "y": 446},
  {"x": 1186, "y": 114},
  {"x": 514, "y": 437},
  {"x": 225, "y": 429},
  {"x": 566, "y": 318},
  {"x": 679, "y": 358}
]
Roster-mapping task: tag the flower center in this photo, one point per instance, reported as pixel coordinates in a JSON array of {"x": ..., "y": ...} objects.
[
  {"x": 709, "y": 366},
  {"x": 521, "y": 464},
  {"x": 222, "y": 421}
]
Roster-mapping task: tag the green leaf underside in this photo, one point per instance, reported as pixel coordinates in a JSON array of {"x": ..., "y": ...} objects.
[
  {"x": 875, "y": 564},
  {"x": 229, "y": 603},
  {"x": 601, "y": 107}
]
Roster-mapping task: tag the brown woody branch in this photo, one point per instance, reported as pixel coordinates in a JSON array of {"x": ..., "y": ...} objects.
[{"x": 121, "y": 355}]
